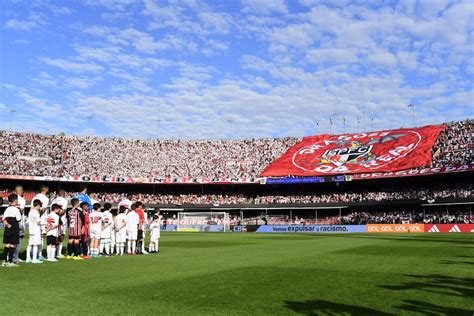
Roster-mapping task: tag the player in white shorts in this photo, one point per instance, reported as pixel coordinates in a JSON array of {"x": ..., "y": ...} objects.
[
  {"x": 112, "y": 236},
  {"x": 95, "y": 228},
  {"x": 52, "y": 224},
  {"x": 34, "y": 231},
  {"x": 132, "y": 228},
  {"x": 120, "y": 230},
  {"x": 62, "y": 201},
  {"x": 155, "y": 231},
  {"x": 107, "y": 226},
  {"x": 42, "y": 196}
]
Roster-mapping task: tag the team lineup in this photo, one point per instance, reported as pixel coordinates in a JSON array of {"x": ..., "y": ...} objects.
[{"x": 92, "y": 229}]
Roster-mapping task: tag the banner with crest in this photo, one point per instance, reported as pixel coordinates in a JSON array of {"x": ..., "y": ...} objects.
[{"x": 380, "y": 151}]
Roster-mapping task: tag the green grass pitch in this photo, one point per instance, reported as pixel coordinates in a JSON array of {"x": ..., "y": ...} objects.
[{"x": 257, "y": 274}]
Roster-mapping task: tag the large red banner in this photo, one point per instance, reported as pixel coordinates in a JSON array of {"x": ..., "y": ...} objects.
[{"x": 382, "y": 151}]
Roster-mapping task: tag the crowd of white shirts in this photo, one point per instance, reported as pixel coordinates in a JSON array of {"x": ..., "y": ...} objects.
[{"x": 57, "y": 155}]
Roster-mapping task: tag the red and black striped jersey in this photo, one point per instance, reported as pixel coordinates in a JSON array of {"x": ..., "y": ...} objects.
[{"x": 75, "y": 222}]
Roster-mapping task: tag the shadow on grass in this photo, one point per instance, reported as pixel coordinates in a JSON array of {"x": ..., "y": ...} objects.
[
  {"x": 467, "y": 263},
  {"x": 424, "y": 308},
  {"x": 321, "y": 307},
  {"x": 439, "y": 284}
]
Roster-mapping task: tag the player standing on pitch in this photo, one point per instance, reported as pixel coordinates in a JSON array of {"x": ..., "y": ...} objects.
[
  {"x": 21, "y": 205},
  {"x": 132, "y": 227},
  {"x": 107, "y": 233},
  {"x": 85, "y": 230},
  {"x": 95, "y": 224},
  {"x": 11, "y": 234},
  {"x": 34, "y": 230},
  {"x": 75, "y": 223},
  {"x": 120, "y": 230},
  {"x": 62, "y": 201},
  {"x": 43, "y": 197},
  {"x": 52, "y": 232},
  {"x": 141, "y": 228},
  {"x": 155, "y": 229}
]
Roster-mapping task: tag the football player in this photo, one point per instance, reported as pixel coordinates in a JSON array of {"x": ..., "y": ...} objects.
[
  {"x": 95, "y": 231},
  {"x": 75, "y": 224},
  {"x": 132, "y": 227},
  {"x": 106, "y": 235},
  {"x": 34, "y": 230},
  {"x": 52, "y": 232},
  {"x": 120, "y": 230}
]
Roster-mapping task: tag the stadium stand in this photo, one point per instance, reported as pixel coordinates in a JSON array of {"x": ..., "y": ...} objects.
[
  {"x": 58, "y": 155},
  {"x": 363, "y": 195}
]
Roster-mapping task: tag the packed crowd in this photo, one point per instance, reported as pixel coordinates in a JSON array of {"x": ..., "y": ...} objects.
[
  {"x": 428, "y": 195},
  {"x": 56, "y": 155},
  {"x": 454, "y": 145},
  {"x": 406, "y": 217}
]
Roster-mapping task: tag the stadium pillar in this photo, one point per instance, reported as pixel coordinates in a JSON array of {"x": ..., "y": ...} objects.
[
  {"x": 316, "y": 216},
  {"x": 291, "y": 215},
  {"x": 339, "y": 212}
]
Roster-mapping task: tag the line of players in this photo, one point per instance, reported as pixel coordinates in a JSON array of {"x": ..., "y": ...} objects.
[{"x": 91, "y": 232}]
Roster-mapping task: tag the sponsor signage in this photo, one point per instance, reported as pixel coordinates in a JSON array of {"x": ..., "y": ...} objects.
[
  {"x": 449, "y": 228},
  {"x": 311, "y": 229},
  {"x": 411, "y": 172},
  {"x": 150, "y": 180},
  {"x": 381, "y": 151},
  {"x": 238, "y": 228},
  {"x": 395, "y": 228},
  {"x": 340, "y": 178}
]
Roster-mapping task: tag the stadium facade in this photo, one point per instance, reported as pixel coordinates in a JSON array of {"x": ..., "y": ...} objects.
[{"x": 435, "y": 176}]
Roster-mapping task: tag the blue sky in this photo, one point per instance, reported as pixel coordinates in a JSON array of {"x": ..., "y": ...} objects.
[{"x": 233, "y": 69}]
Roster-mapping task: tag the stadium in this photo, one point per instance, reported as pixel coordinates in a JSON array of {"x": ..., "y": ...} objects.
[
  {"x": 219, "y": 215},
  {"x": 144, "y": 170}
]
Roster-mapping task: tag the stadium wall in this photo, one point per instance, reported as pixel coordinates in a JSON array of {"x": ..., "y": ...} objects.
[{"x": 340, "y": 229}]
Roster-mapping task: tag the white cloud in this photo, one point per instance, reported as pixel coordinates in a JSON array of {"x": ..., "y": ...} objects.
[
  {"x": 264, "y": 6},
  {"x": 332, "y": 55},
  {"x": 119, "y": 5},
  {"x": 271, "y": 70},
  {"x": 71, "y": 66},
  {"x": 33, "y": 21},
  {"x": 294, "y": 35},
  {"x": 382, "y": 59}
]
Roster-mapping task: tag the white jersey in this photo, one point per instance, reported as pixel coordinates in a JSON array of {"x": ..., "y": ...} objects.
[
  {"x": 119, "y": 221},
  {"x": 95, "y": 221},
  {"x": 12, "y": 211},
  {"x": 44, "y": 200},
  {"x": 132, "y": 221},
  {"x": 155, "y": 229},
  {"x": 60, "y": 201},
  {"x": 63, "y": 225},
  {"x": 43, "y": 219},
  {"x": 108, "y": 222},
  {"x": 52, "y": 222},
  {"x": 34, "y": 225},
  {"x": 21, "y": 202}
]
